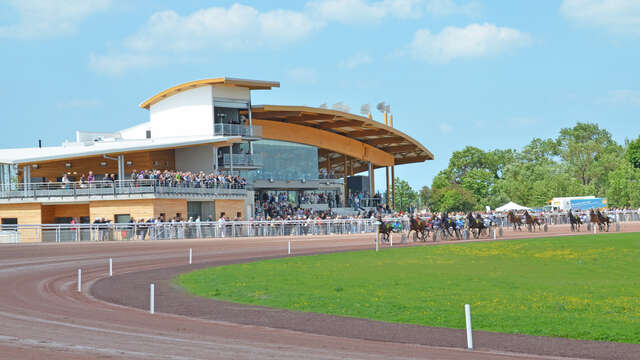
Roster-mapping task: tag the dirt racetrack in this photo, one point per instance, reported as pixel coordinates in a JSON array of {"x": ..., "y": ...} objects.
[{"x": 43, "y": 316}]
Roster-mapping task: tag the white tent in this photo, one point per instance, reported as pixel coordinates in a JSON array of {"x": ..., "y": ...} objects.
[{"x": 511, "y": 206}]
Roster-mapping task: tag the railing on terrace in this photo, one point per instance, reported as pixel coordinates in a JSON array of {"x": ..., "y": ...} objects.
[
  {"x": 238, "y": 130},
  {"x": 118, "y": 187},
  {"x": 184, "y": 230},
  {"x": 252, "y": 160}
]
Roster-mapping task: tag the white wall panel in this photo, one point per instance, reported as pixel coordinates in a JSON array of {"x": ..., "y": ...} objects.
[{"x": 186, "y": 113}]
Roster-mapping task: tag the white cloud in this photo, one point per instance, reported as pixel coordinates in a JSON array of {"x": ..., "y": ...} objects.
[
  {"x": 449, "y": 7},
  {"x": 303, "y": 75},
  {"x": 49, "y": 18},
  {"x": 622, "y": 97},
  {"x": 238, "y": 27},
  {"x": 446, "y": 128},
  {"x": 356, "y": 60},
  {"x": 119, "y": 63},
  {"x": 474, "y": 40},
  {"x": 78, "y": 103},
  {"x": 618, "y": 16},
  {"x": 168, "y": 34},
  {"x": 361, "y": 11}
]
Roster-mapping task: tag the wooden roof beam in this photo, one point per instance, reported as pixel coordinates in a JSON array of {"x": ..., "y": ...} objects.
[
  {"x": 400, "y": 149},
  {"x": 339, "y": 124},
  {"x": 386, "y": 140},
  {"x": 365, "y": 133}
]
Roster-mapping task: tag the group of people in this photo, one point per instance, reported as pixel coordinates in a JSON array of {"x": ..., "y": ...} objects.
[{"x": 170, "y": 178}]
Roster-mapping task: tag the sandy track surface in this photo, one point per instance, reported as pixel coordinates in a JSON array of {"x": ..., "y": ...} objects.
[{"x": 43, "y": 316}]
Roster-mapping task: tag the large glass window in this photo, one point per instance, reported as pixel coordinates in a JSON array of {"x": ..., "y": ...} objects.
[{"x": 285, "y": 161}]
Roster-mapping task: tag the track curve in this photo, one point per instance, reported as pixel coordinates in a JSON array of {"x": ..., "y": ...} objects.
[{"x": 43, "y": 315}]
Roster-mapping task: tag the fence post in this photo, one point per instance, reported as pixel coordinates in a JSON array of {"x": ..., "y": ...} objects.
[
  {"x": 152, "y": 305},
  {"x": 79, "y": 280},
  {"x": 110, "y": 267},
  {"x": 190, "y": 256},
  {"x": 467, "y": 315}
]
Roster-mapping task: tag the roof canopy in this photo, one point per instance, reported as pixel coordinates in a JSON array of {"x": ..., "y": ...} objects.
[
  {"x": 245, "y": 83},
  {"x": 401, "y": 146},
  {"x": 511, "y": 206},
  {"x": 89, "y": 148}
]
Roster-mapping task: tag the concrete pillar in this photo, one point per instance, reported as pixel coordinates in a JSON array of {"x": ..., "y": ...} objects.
[
  {"x": 121, "y": 175},
  {"x": 215, "y": 158},
  {"x": 345, "y": 195},
  {"x": 250, "y": 129},
  {"x": 231, "y": 158},
  {"x": 393, "y": 187}
]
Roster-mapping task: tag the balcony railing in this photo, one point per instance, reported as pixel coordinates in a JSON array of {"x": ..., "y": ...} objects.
[
  {"x": 238, "y": 130},
  {"x": 241, "y": 160},
  {"x": 114, "y": 188}
]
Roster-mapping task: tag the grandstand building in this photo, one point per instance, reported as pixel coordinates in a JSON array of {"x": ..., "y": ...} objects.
[{"x": 207, "y": 127}]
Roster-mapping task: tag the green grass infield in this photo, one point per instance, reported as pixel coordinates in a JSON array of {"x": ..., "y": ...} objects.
[{"x": 580, "y": 287}]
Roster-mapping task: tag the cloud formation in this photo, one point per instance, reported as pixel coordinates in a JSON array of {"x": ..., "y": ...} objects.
[
  {"x": 617, "y": 16},
  {"x": 472, "y": 41},
  {"x": 356, "y": 60},
  {"x": 167, "y": 34},
  {"x": 49, "y": 18}
]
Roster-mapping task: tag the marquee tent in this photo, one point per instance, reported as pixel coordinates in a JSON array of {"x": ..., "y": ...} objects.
[{"x": 511, "y": 206}]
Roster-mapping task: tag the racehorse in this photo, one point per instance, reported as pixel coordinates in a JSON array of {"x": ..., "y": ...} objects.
[
  {"x": 386, "y": 228},
  {"x": 421, "y": 228},
  {"x": 532, "y": 221},
  {"x": 475, "y": 223},
  {"x": 596, "y": 218},
  {"x": 515, "y": 220},
  {"x": 575, "y": 221}
]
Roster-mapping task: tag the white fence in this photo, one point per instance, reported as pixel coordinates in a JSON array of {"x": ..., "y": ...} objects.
[{"x": 186, "y": 230}]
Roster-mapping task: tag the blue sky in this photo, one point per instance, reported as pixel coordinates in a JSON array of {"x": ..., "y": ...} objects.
[{"x": 487, "y": 73}]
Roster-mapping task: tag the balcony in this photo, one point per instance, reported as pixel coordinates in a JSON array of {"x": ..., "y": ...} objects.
[
  {"x": 245, "y": 131},
  {"x": 124, "y": 189},
  {"x": 241, "y": 161}
]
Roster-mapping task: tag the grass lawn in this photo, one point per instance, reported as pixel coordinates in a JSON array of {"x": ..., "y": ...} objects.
[{"x": 581, "y": 287}]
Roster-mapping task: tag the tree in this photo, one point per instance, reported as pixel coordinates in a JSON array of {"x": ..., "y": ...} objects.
[
  {"x": 424, "y": 195},
  {"x": 405, "y": 196},
  {"x": 633, "y": 153},
  {"x": 453, "y": 198},
  {"x": 589, "y": 153}
]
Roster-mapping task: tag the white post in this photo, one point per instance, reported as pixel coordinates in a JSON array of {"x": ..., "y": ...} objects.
[
  {"x": 79, "y": 280},
  {"x": 190, "y": 256},
  {"x": 377, "y": 241},
  {"x": 289, "y": 247},
  {"x": 467, "y": 314},
  {"x": 391, "y": 240},
  {"x": 494, "y": 234},
  {"x": 152, "y": 305},
  {"x": 595, "y": 228},
  {"x": 110, "y": 267}
]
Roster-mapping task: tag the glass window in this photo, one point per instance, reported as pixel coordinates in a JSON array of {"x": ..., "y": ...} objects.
[{"x": 285, "y": 161}]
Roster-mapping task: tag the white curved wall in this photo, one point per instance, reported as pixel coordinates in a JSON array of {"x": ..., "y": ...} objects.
[{"x": 187, "y": 113}]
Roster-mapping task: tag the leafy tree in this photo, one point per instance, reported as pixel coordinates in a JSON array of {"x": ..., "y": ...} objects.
[
  {"x": 405, "y": 196},
  {"x": 624, "y": 186},
  {"x": 633, "y": 153},
  {"x": 424, "y": 195},
  {"x": 589, "y": 152},
  {"x": 453, "y": 198}
]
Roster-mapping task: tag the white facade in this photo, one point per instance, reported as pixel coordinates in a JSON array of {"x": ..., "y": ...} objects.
[
  {"x": 231, "y": 93},
  {"x": 136, "y": 132},
  {"x": 186, "y": 113},
  {"x": 196, "y": 158}
]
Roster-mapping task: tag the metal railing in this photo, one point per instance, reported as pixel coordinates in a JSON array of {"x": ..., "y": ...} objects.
[
  {"x": 254, "y": 131},
  {"x": 252, "y": 160},
  {"x": 563, "y": 218},
  {"x": 118, "y": 187},
  {"x": 186, "y": 230}
]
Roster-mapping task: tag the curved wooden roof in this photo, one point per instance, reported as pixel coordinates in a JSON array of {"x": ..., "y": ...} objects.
[
  {"x": 245, "y": 83},
  {"x": 401, "y": 146}
]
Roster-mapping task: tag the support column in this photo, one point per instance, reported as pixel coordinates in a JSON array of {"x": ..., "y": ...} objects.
[
  {"x": 250, "y": 129},
  {"x": 26, "y": 178},
  {"x": 2, "y": 178},
  {"x": 393, "y": 187},
  {"x": 386, "y": 170},
  {"x": 231, "y": 158},
  {"x": 121, "y": 167},
  {"x": 370, "y": 179},
  {"x": 345, "y": 195},
  {"x": 215, "y": 158},
  {"x": 328, "y": 164}
]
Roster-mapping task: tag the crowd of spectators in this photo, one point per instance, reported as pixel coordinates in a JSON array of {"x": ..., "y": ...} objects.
[{"x": 170, "y": 178}]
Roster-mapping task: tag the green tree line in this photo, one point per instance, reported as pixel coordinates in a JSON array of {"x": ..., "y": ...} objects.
[{"x": 581, "y": 160}]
